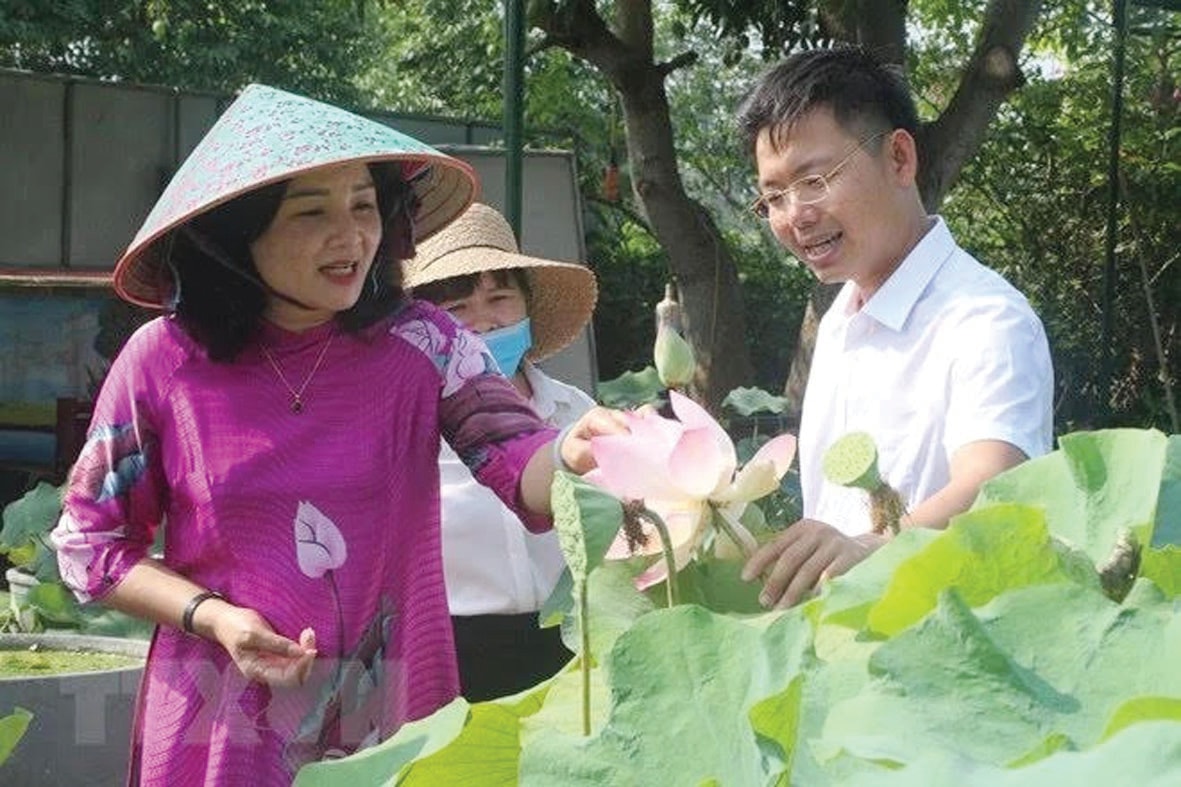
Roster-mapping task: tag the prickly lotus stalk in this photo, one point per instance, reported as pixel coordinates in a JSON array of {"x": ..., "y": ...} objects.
[{"x": 853, "y": 461}]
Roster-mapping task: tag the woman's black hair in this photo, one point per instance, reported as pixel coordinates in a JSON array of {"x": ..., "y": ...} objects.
[
  {"x": 219, "y": 297},
  {"x": 458, "y": 287}
]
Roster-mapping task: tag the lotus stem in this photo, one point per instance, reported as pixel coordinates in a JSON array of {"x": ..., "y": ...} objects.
[
  {"x": 724, "y": 526},
  {"x": 666, "y": 545},
  {"x": 584, "y": 639},
  {"x": 886, "y": 509}
]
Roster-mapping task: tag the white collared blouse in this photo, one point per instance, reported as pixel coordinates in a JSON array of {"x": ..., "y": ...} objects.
[{"x": 493, "y": 565}]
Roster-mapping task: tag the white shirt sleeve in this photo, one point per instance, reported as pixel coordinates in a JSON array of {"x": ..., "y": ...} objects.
[{"x": 1001, "y": 381}]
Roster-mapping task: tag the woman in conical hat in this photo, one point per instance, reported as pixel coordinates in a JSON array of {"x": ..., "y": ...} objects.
[
  {"x": 281, "y": 424},
  {"x": 525, "y": 308}
]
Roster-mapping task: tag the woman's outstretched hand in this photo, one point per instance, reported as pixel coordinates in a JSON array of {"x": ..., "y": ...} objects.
[
  {"x": 575, "y": 449},
  {"x": 260, "y": 653}
]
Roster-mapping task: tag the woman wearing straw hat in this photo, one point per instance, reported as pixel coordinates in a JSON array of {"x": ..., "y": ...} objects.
[
  {"x": 283, "y": 418},
  {"x": 498, "y": 574}
]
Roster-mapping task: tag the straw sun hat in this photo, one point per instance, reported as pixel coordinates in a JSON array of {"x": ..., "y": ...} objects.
[
  {"x": 562, "y": 294},
  {"x": 267, "y": 135}
]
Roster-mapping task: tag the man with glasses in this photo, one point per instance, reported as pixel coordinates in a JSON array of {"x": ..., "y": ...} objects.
[{"x": 938, "y": 358}]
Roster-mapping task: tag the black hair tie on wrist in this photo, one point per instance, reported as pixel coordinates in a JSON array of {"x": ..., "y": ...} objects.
[{"x": 186, "y": 619}]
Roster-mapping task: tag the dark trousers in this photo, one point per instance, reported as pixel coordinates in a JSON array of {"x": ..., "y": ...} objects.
[{"x": 501, "y": 655}]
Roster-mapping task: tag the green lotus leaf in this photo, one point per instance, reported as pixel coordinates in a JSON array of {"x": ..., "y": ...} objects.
[
  {"x": 630, "y": 389},
  {"x": 985, "y": 654},
  {"x": 1163, "y": 566},
  {"x": 983, "y": 553},
  {"x": 1146, "y": 754},
  {"x": 748, "y": 401},
  {"x": 381, "y": 763},
  {"x": 990, "y": 683},
  {"x": 587, "y": 519},
  {"x": 847, "y": 599},
  {"x": 1095, "y": 486},
  {"x": 615, "y": 604},
  {"x": 683, "y": 681},
  {"x": 486, "y": 751}
]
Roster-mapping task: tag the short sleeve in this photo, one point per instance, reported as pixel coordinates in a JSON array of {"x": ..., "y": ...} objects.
[{"x": 1001, "y": 380}]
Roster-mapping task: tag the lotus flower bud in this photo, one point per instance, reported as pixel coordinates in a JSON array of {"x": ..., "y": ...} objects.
[{"x": 673, "y": 356}]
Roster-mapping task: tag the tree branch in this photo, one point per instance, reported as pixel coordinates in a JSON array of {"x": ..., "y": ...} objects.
[
  {"x": 992, "y": 74},
  {"x": 625, "y": 211},
  {"x": 680, "y": 61}
]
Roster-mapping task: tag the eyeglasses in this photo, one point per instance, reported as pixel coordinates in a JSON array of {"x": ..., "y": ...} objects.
[{"x": 809, "y": 189}]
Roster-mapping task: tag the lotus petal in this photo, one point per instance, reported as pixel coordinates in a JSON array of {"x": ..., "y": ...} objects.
[
  {"x": 635, "y": 466},
  {"x": 658, "y": 571},
  {"x": 630, "y": 469},
  {"x": 683, "y": 523},
  {"x": 699, "y": 466},
  {"x": 761, "y": 475}
]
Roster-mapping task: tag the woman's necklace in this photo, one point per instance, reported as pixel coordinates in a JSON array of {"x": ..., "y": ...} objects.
[{"x": 297, "y": 394}]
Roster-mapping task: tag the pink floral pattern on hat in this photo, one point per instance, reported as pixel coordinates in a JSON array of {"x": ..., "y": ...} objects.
[{"x": 268, "y": 135}]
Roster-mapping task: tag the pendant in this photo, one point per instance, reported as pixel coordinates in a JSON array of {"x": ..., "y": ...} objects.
[{"x": 297, "y": 405}]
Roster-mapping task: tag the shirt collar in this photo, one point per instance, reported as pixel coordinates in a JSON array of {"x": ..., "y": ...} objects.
[
  {"x": 546, "y": 398},
  {"x": 892, "y": 304}
]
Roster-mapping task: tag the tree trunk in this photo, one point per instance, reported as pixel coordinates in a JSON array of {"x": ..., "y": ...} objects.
[
  {"x": 707, "y": 278},
  {"x": 819, "y": 300},
  {"x": 699, "y": 258}
]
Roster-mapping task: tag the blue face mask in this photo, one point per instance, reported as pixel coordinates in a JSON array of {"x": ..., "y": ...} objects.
[{"x": 508, "y": 345}]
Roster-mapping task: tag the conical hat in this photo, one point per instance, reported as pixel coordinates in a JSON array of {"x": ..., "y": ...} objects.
[
  {"x": 267, "y": 135},
  {"x": 562, "y": 294}
]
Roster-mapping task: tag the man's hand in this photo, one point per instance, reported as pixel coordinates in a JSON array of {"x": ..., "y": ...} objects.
[{"x": 799, "y": 559}]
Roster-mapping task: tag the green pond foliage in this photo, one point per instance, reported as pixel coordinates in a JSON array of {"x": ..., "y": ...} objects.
[
  {"x": 992, "y": 653},
  {"x": 34, "y": 663}
]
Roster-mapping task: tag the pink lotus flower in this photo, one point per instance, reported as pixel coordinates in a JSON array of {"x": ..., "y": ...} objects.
[{"x": 684, "y": 470}]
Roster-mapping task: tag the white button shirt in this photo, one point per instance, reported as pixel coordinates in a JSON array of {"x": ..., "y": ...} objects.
[
  {"x": 945, "y": 353},
  {"x": 492, "y": 564}
]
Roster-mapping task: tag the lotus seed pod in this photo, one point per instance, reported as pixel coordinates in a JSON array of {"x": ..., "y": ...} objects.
[{"x": 853, "y": 461}]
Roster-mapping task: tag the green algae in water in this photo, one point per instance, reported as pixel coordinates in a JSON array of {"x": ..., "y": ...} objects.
[{"x": 33, "y": 663}]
